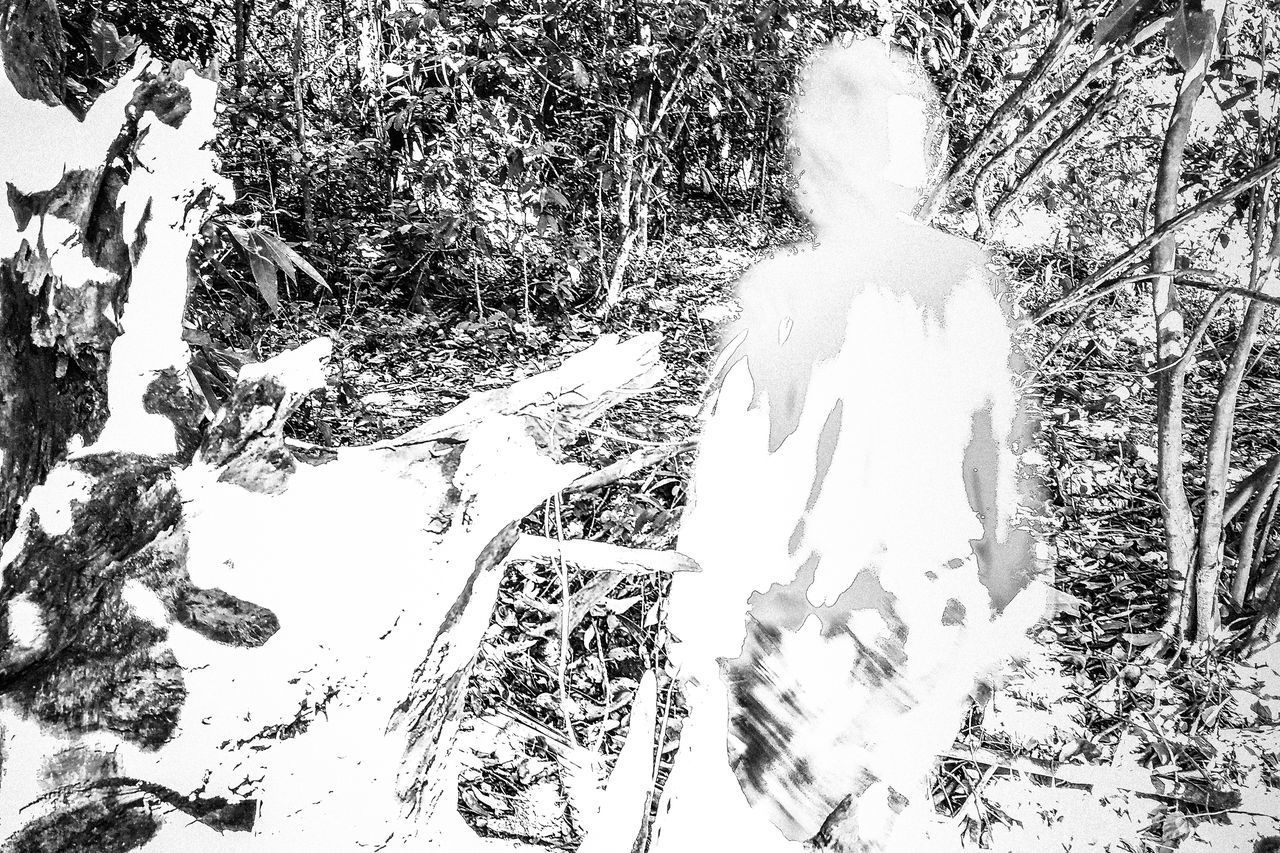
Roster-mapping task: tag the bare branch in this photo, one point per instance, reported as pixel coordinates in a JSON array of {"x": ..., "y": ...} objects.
[
  {"x": 628, "y": 465},
  {"x": 1066, "y": 140},
  {"x": 1186, "y": 217},
  {"x": 585, "y": 554},
  {"x": 1069, "y": 28}
]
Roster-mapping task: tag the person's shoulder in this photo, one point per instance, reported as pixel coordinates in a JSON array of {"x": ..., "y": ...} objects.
[
  {"x": 789, "y": 257},
  {"x": 958, "y": 250},
  {"x": 782, "y": 268}
]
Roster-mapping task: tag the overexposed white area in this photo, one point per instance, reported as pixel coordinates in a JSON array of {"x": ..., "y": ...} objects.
[
  {"x": 611, "y": 822},
  {"x": 350, "y": 558},
  {"x": 344, "y": 560},
  {"x": 174, "y": 165},
  {"x": 923, "y": 351}
]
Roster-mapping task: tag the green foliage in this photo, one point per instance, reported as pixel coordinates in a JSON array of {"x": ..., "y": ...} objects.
[
  {"x": 101, "y": 34},
  {"x": 500, "y": 155}
]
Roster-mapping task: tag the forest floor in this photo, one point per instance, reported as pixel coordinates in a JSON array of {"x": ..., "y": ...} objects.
[{"x": 1061, "y": 756}]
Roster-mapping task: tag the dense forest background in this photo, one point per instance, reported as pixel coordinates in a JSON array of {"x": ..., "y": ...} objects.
[{"x": 461, "y": 193}]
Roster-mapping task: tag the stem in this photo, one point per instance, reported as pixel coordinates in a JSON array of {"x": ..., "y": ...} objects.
[
  {"x": 1069, "y": 27},
  {"x": 1066, "y": 140},
  {"x": 300, "y": 131},
  {"x": 1265, "y": 500},
  {"x": 1218, "y": 447},
  {"x": 243, "y": 13},
  {"x": 966, "y": 59},
  {"x": 1164, "y": 230},
  {"x": 1179, "y": 524},
  {"x": 563, "y": 671}
]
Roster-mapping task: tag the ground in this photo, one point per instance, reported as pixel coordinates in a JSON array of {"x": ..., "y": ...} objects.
[{"x": 1080, "y": 694}]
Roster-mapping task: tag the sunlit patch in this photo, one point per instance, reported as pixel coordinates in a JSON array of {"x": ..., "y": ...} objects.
[
  {"x": 27, "y": 626},
  {"x": 144, "y": 603},
  {"x": 53, "y": 503}
]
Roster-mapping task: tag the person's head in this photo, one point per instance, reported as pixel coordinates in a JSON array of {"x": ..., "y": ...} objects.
[{"x": 867, "y": 134}]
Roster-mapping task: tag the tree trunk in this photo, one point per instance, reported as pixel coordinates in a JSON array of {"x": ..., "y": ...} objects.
[
  {"x": 243, "y": 13},
  {"x": 300, "y": 122},
  {"x": 1198, "y": 611},
  {"x": 1218, "y": 447}
]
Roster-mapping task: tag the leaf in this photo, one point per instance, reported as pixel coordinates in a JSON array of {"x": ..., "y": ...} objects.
[
  {"x": 107, "y": 45},
  {"x": 392, "y": 70},
  {"x": 551, "y": 195},
  {"x": 198, "y": 337},
  {"x": 1141, "y": 640},
  {"x": 651, "y": 618},
  {"x": 264, "y": 276},
  {"x": 240, "y": 235},
  {"x": 1119, "y": 22},
  {"x": 273, "y": 249},
  {"x": 621, "y": 605},
  {"x": 1192, "y": 35},
  {"x": 287, "y": 258},
  {"x": 1175, "y": 827},
  {"x": 515, "y": 164},
  {"x": 308, "y": 270}
]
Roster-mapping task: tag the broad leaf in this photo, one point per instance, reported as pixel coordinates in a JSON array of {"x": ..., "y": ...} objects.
[
  {"x": 1192, "y": 34},
  {"x": 287, "y": 258},
  {"x": 264, "y": 275},
  {"x": 1120, "y": 21},
  {"x": 107, "y": 44}
]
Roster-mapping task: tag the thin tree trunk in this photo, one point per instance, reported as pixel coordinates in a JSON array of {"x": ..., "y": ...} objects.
[
  {"x": 1208, "y": 560},
  {"x": 1264, "y": 501},
  {"x": 300, "y": 117},
  {"x": 1218, "y": 449},
  {"x": 243, "y": 12},
  {"x": 1179, "y": 524}
]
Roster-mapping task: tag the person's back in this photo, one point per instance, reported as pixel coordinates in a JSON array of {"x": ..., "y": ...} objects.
[{"x": 854, "y": 485}]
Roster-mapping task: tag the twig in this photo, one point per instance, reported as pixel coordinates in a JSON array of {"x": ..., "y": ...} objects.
[
  {"x": 1068, "y": 29},
  {"x": 1248, "y": 486},
  {"x": 587, "y": 555},
  {"x": 1062, "y": 339},
  {"x": 628, "y": 465},
  {"x": 966, "y": 59},
  {"x": 1054, "y": 150},
  {"x": 1144, "y": 245},
  {"x": 1264, "y": 502},
  {"x": 959, "y": 816},
  {"x": 1137, "y": 780},
  {"x": 604, "y": 672},
  {"x": 561, "y": 89},
  {"x": 1109, "y": 58},
  {"x": 563, "y": 670}
]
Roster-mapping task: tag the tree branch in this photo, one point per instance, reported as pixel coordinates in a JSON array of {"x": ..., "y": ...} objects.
[
  {"x": 1068, "y": 30},
  {"x": 1169, "y": 228},
  {"x": 588, "y": 555},
  {"x": 1053, "y": 151}
]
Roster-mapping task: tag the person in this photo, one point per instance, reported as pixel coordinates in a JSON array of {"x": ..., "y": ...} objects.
[{"x": 853, "y": 500}]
